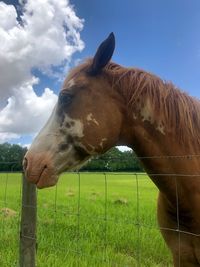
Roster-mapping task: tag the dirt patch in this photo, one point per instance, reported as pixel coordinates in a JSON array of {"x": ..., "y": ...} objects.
[
  {"x": 121, "y": 201},
  {"x": 70, "y": 193},
  {"x": 8, "y": 213}
]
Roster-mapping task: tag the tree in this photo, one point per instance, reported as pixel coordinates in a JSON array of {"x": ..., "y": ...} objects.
[
  {"x": 11, "y": 156},
  {"x": 114, "y": 160}
]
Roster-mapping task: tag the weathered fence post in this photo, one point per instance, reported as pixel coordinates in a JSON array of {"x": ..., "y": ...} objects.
[{"x": 27, "y": 253}]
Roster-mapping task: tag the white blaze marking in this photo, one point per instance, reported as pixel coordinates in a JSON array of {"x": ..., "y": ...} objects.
[
  {"x": 46, "y": 137},
  {"x": 91, "y": 118}
]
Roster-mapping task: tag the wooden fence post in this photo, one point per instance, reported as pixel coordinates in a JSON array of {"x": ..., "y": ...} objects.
[{"x": 27, "y": 253}]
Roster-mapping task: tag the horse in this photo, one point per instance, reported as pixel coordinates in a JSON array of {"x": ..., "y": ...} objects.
[{"x": 103, "y": 104}]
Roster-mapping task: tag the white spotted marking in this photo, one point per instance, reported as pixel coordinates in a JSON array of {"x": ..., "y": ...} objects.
[
  {"x": 50, "y": 137},
  {"x": 76, "y": 126},
  {"x": 161, "y": 129},
  {"x": 91, "y": 118},
  {"x": 70, "y": 83},
  {"x": 146, "y": 112},
  {"x": 91, "y": 150},
  {"x": 103, "y": 140},
  {"x": 134, "y": 116}
]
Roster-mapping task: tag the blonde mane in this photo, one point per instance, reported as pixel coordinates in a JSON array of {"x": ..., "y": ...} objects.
[{"x": 179, "y": 112}]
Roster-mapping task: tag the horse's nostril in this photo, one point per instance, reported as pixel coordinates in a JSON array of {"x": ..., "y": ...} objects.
[{"x": 25, "y": 163}]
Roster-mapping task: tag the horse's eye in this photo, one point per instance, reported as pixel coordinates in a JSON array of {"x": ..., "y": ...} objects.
[{"x": 65, "y": 98}]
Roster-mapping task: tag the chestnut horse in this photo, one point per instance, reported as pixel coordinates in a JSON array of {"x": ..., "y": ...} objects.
[{"x": 102, "y": 105}]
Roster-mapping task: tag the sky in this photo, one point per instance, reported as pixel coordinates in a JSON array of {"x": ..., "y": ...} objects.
[{"x": 40, "y": 40}]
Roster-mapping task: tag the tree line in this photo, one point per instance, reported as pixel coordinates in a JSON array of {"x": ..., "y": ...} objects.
[
  {"x": 114, "y": 161},
  {"x": 11, "y": 156}
]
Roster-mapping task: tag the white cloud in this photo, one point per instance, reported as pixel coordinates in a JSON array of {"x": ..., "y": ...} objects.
[
  {"x": 25, "y": 110},
  {"x": 7, "y": 11},
  {"x": 5, "y": 137},
  {"x": 48, "y": 34},
  {"x": 25, "y": 145}
]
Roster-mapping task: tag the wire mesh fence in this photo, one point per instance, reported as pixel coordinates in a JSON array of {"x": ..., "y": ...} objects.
[
  {"x": 97, "y": 221},
  {"x": 10, "y": 206},
  {"x": 91, "y": 219}
]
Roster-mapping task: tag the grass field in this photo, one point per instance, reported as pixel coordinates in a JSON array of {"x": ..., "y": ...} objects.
[{"x": 107, "y": 221}]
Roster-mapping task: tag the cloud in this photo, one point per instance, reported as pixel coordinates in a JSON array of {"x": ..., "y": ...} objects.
[
  {"x": 41, "y": 38},
  {"x": 25, "y": 110},
  {"x": 5, "y": 137}
]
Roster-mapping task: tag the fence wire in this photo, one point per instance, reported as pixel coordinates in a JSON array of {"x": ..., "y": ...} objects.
[
  {"x": 10, "y": 214},
  {"x": 65, "y": 222}
]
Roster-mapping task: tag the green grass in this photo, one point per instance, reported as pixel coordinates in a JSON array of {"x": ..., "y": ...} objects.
[{"x": 108, "y": 223}]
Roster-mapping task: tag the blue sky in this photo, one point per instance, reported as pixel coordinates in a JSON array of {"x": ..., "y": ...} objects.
[
  {"x": 162, "y": 37},
  {"x": 159, "y": 36}
]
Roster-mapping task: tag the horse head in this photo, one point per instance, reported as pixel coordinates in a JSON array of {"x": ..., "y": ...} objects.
[{"x": 86, "y": 121}]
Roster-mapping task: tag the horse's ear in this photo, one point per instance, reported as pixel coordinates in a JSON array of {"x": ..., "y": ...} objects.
[{"x": 103, "y": 55}]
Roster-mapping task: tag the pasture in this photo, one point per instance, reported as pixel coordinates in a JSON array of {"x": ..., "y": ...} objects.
[{"x": 87, "y": 220}]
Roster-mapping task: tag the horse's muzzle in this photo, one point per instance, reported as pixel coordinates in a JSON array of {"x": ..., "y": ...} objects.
[{"x": 39, "y": 169}]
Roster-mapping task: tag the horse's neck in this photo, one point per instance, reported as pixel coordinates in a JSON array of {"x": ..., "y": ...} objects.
[
  {"x": 152, "y": 146},
  {"x": 154, "y": 126},
  {"x": 158, "y": 147}
]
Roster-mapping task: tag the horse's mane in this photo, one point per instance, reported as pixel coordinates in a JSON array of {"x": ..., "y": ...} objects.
[{"x": 178, "y": 112}]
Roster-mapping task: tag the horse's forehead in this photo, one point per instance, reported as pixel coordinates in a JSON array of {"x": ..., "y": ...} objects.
[
  {"x": 70, "y": 83},
  {"x": 76, "y": 80}
]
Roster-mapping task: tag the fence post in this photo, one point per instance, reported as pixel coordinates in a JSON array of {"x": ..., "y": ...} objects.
[{"x": 27, "y": 253}]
